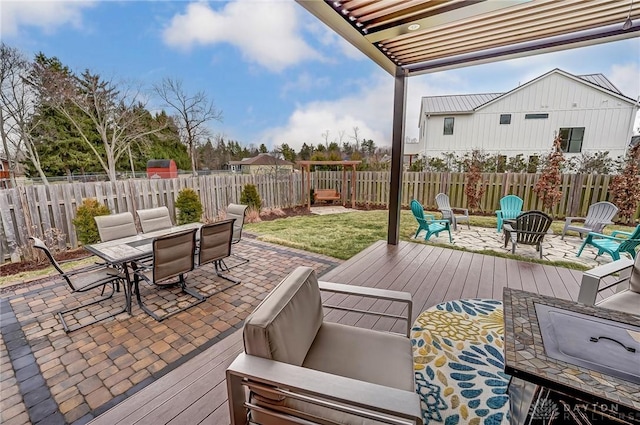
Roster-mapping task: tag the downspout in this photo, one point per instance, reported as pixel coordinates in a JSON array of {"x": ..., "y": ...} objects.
[
  {"x": 426, "y": 132},
  {"x": 634, "y": 112}
]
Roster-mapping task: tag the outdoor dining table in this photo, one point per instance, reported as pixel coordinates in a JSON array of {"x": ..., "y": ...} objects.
[{"x": 125, "y": 252}]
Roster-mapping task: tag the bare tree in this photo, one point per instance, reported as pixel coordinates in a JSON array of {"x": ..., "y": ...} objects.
[
  {"x": 94, "y": 105},
  {"x": 18, "y": 118},
  {"x": 192, "y": 113}
]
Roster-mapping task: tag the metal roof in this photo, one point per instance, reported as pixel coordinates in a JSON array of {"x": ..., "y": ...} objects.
[
  {"x": 600, "y": 80},
  {"x": 418, "y": 36},
  {"x": 459, "y": 103},
  {"x": 468, "y": 103}
]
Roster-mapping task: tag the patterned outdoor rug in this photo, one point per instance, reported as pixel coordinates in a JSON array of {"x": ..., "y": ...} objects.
[{"x": 459, "y": 363}]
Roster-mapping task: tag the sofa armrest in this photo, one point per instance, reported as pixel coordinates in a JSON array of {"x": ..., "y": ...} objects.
[
  {"x": 368, "y": 292},
  {"x": 590, "y": 284},
  {"x": 373, "y": 401}
]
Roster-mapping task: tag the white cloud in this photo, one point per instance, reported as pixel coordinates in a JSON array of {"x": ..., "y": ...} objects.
[
  {"x": 304, "y": 83},
  {"x": 46, "y": 15},
  {"x": 626, "y": 78},
  {"x": 265, "y": 32},
  {"x": 368, "y": 106}
]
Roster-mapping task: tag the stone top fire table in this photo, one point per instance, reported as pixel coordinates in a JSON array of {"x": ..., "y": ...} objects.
[{"x": 527, "y": 358}]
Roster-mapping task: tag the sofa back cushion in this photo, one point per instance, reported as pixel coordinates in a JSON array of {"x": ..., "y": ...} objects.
[{"x": 284, "y": 325}]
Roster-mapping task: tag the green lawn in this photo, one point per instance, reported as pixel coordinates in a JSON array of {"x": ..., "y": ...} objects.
[{"x": 344, "y": 235}]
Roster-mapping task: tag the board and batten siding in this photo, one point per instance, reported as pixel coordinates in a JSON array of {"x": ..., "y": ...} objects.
[{"x": 607, "y": 120}]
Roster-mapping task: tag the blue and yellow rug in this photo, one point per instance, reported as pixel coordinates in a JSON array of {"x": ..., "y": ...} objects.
[{"x": 459, "y": 363}]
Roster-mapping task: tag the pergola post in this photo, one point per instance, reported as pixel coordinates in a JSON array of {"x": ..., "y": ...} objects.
[{"x": 397, "y": 154}]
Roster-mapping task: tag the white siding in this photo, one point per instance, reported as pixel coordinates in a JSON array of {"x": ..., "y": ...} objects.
[{"x": 569, "y": 103}]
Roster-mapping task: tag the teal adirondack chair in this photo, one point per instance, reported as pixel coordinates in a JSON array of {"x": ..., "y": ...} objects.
[
  {"x": 614, "y": 244},
  {"x": 510, "y": 208},
  {"x": 428, "y": 223}
]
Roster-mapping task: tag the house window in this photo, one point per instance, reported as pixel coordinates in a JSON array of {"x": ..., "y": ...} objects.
[
  {"x": 505, "y": 118},
  {"x": 448, "y": 125},
  {"x": 571, "y": 139},
  {"x": 536, "y": 116}
]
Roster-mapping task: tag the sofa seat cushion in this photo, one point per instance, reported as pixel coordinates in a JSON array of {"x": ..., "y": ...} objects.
[
  {"x": 628, "y": 301},
  {"x": 340, "y": 350}
]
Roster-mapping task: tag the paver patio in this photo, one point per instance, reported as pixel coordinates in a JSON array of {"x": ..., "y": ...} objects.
[{"x": 51, "y": 377}]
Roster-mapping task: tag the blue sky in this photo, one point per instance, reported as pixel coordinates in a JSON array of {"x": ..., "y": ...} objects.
[{"x": 277, "y": 73}]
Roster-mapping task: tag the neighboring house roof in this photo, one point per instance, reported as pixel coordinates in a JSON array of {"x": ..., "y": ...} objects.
[
  {"x": 469, "y": 103},
  {"x": 459, "y": 103},
  {"x": 261, "y": 159},
  {"x": 600, "y": 80}
]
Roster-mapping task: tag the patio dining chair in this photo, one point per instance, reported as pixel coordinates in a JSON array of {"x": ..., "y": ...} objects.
[
  {"x": 237, "y": 212},
  {"x": 510, "y": 208},
  {"x": 116, "y": 226},
  {"x": 454, "y": 215},
  {"x": 619, "y": 242},
  {"x": 215, "y": 246},
  {"x": 153, "y": 219},
  {"x": 173, "y": 257},
  {"x": 598, "y": 215},
  {"x": 627, "y": 296},
  {"x": 428, "y": 223},
  {"x": 528, "y": 228},
  {"x": 85, "y": 279}
]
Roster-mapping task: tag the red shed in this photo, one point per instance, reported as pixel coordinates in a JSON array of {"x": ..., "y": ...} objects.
[{"x": 161, "y": 169}]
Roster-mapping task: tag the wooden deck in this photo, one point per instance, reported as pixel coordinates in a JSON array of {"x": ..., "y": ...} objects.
[{"x": 196, "y": 391}]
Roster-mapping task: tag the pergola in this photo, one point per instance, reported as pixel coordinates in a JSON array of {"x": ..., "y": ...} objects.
[
  {"x": 306, "y": 166},
  {"x": 414, "y": 37}
]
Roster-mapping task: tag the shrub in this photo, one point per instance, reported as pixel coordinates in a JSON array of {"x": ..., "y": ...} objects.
[
  {"x": 473, "y": 187},
  {"x": 624, "y": 187},
  {"x": 252, "y": 216},
  {"x": 250, "y": 197},
  {"x": 189, "y": 206},
  {"x": 86, "y": 227},
  {"x": 548, "y": 185}
]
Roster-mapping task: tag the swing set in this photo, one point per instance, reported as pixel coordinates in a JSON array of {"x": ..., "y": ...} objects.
[{"x": 329, "y": 194}]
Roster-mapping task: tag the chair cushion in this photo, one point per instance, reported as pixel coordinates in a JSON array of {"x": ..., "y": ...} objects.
[
  {"x": 340, "y": 350},
  {"x": 285, "y": 323},
  {"x": 628, "y": 301},
  {"x": 153, "y": 219}
]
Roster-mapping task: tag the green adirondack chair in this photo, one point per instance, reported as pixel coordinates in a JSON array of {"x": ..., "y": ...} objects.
[
  {"x": 510, "y": 208},
  {"x": 428, "y": 223},
  {"x": 614, "y": 244}
]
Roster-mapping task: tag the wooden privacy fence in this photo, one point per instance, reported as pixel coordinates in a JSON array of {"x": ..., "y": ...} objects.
[
  {"x": 48, "y": 211},
  {"x": 372, "y": 187}
]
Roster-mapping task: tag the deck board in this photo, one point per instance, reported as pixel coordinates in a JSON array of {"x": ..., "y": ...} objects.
[{"x": 196, "y": 391}]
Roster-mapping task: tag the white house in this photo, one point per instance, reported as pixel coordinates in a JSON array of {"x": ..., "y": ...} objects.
[{"x": 588, "y": 112}]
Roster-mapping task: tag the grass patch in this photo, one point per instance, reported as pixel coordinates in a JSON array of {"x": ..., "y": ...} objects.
[{"x": 344, "y": 235}]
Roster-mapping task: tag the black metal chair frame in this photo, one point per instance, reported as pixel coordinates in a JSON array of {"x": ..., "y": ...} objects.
[
  {"x": 111, "y": 276},
  {"x": 140, "y": 270}
]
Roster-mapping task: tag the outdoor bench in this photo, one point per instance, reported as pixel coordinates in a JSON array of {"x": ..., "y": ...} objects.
[{"x": 326, "y": 195}]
